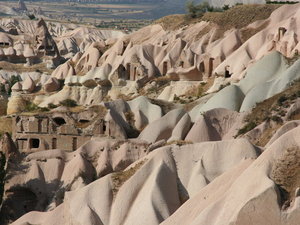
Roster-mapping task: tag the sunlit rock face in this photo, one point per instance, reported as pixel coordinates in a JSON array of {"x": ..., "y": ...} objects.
[{"x": 193, "y": 125}]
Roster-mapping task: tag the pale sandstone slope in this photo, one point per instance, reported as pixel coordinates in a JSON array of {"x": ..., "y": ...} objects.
[
  {"x": 155, "y": 191},
  {"x": 251, "y": 198}
]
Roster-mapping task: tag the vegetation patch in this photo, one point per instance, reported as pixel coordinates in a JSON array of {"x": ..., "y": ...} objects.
[
  {"x": 99, "y": 109},
  {"x": 249, "y": 126},
  {"x": 31, "y": 107},
  {"x": 274, "y": 106},
  {"x": 6, "y": 89},
  {"x": 119, "y": 178},
  {"x": 247, "y": 33},
  {"x": 134, "y": 132},
  {"x": 194, "y": 93},
  {"x": 159, "y": 84},
  {"x": 130, "y": 118},
  {"x": 68, "y": 103},
  {"x": 5, "y": 125},
  {"x": 200, "y": 9},
  {"x": 272, "y": 109},
  {"x": 286, "y": 174},
  {"x": 52, "y": 106},
  {"x": 238, "y": 16},
  {"x": 281, "y": 2},
  {"x": 179, "y": 142},
  {"x": 164, "y": 105},
  {"x": 20, "y": 68},
  {"x": 292, "y": 60}
]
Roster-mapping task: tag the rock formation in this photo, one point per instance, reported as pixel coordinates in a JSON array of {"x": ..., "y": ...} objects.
[
  {"x": 193, "y": 125},
  {"x": 22, "y": 6}
]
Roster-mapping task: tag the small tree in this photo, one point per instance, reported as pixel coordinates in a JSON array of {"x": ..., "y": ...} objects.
[
  {"x": 192, "y": 9},
  {"x": 225, "y": 7},
  {"x": 68, "y": 103},
  {"x": 31, "y": 16},
  {"x": 195, "y": 11},
  {"x": 13, "y": 79}
]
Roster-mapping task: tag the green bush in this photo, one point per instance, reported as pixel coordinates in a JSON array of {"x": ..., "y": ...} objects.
[
  {"x": 52, "y": 106},
  {"x": 276, "y": 119},
  {"x": 30, "y": 107},
  {"x": 282, "y": 99},
  {"x": 195, "y": 11},
  {"x": 31, "y": 16},
  {"x": 280, "y": 2},
  {"x": 68, "y": 103},
  {"x": 225, "y": 7},
  {"x": 13, "y": 79},
  {"x": 249, "y": 126},
  {"x": 176, "y": 98}
]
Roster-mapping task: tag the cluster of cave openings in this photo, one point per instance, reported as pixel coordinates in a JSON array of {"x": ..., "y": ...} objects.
[{"x": 4, "y": 44}]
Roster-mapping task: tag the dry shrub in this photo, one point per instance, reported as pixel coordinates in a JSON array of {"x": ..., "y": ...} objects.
[
  {"x": 179, "y": 142},
  {"x": 119, "y": 178},
  {"x": 286, "y": 173}
]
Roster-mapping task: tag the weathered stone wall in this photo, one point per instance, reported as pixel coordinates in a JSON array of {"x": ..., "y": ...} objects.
[
  {"x": 38, "y": 133},
  {"x": 40, "y": 142}
]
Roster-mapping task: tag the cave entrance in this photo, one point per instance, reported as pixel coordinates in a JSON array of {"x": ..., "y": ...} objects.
[
  {"x": 34, "y": 143},
  {"x": 59, "y": 121},
  {"x": 54, "y": 143},
  {"x": 165, "y": 68}
]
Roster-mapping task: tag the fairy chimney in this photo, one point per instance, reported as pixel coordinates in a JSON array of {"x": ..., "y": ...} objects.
[
  {"x": 44, "y": 41},
  {"x": 22, "y": 6}
]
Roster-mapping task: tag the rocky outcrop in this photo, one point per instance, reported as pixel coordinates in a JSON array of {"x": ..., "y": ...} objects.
[
  {"x": 8, "y": 147},
  {"x": 164, "y": 176},
  {"x": 16, "y": 104}
]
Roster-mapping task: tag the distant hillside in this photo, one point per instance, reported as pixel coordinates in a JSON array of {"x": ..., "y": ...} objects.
[
  {"x": 156, "y": 9},
  {"x": 107, "y": 1},
  {"x": 220, "y": 3}
]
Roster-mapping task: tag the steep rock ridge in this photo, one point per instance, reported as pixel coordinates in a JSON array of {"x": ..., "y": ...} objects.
[
  {"x": 242, "y": 194},
  {"x": 69, "y": 37},
  {"x": 191, "y": 160},
  {"x": 260, "y": 83},
  {"x": 165, "y": 176},
  {"x": 48, "y": 175},
  {"x": 281, "y": 35},
  {"x": 186, "y": 54}
]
